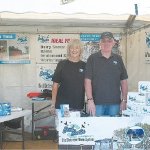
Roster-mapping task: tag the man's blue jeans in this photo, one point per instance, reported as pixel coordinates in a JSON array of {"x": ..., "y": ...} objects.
[{"x": 107, "y": 110}]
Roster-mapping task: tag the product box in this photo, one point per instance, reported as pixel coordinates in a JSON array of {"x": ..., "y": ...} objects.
[
  {"x": 75, "y": 114},
  {"x": 5, "y": 109},
  {"x": 64, "y": 108},
  {"x": 143, "y": 86},
  {"x": 136, "y": 97},
  {"x": 147, "y": 99}
]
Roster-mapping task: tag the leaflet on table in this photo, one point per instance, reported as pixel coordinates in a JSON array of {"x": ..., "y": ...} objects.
[
  {"x": 64, "y": 108},
  {"x": 65, "y": 112}
]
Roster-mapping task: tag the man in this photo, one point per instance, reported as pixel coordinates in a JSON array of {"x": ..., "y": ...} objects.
[{"x": 106, "y": 80}]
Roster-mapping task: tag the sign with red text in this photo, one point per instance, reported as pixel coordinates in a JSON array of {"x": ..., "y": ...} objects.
[{"x": 53, "y": 47}]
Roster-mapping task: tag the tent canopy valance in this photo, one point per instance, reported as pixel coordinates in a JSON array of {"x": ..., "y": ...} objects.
[{"x": 74, "y": 20}]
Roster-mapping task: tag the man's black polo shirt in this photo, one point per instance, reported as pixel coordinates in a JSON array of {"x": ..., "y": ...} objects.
[{"x": 105, "y": 75}]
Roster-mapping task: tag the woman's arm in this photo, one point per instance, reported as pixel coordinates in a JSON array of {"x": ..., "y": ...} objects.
[
  {"x": 54, "y": 95},
  {"x": 54, "y": 92}
]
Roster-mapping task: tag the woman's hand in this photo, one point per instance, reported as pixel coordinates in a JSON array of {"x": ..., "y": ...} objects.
[
  {"x": 91, "y": 107},
  {"x": 52, "y": 110}
]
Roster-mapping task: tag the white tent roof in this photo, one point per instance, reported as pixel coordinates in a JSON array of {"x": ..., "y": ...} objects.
[
  {"x": 79, "y": 13},
  {"x": 114, "y": 7}
]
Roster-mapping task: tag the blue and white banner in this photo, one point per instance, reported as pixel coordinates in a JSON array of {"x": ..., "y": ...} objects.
[
  {"x": 14, "y": 49},
  {"x": 110, "y": 132},
  {"x": 91, "y": 44}
]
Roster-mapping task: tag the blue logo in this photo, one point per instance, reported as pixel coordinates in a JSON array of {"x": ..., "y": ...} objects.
[
  {"x": 132, "y": 98},
  {"x": 73, "y": 130},
  {"x": 43, "y": 39},
  {"x": 46, "y": 74},
  {"x": 143, "y": 87},
  {"x": 22, "y": 40}
]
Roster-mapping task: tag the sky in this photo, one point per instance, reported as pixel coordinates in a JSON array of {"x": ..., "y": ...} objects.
[{"x": 114, "y": 7}]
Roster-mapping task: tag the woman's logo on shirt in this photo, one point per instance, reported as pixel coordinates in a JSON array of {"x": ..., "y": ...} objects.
[{"x": 80, "y": 70}]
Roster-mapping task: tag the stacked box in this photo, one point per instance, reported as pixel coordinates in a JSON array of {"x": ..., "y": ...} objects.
[
  {"x": 147, "y": 99},
  {"x": 5, "y": 109},
  {"x": 143, "y": 86},
  {"x": 136, "y": 97},
  {"x": 138, "y": 103}
]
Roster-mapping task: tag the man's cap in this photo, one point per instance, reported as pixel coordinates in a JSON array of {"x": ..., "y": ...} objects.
[{"x": 107, "y": 35}]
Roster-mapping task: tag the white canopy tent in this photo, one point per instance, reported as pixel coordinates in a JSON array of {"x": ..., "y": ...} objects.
[
  {"x": 79, "y": 16},
  {"x": 114, "y": 7}
]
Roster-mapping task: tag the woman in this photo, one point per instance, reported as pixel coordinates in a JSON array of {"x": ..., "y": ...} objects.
[{"x": 68, "y": 79}]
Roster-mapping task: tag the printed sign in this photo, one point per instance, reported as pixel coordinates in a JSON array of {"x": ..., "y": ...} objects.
[
  {"x": 101, "y": 132},
  {"x": 14, "y": 48},
  {"x": 53, "y": 47}
]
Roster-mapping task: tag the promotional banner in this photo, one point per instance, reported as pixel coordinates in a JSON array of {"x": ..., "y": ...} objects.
[
  {"x": 14, "y": 48},
  {"x": 51, "y": 48},
  {"x": 91, "y": 44},
  {"x": 105, "y": 132}
]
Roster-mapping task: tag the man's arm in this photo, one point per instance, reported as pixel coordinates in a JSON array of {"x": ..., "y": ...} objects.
[
  {"x": 90, "y": 101},
  {"x": 124, "y": 90},
  {"x": 88, "y": 88}
]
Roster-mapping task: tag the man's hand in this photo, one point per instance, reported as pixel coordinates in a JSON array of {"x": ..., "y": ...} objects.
[{"x": 123, "y": 105}]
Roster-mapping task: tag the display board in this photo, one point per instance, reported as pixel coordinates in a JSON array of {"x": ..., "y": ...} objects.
[
  {"x": 52, "y": 48},
  {"x": 14, "y": 48},
  {"x": 147, "y": 49}
]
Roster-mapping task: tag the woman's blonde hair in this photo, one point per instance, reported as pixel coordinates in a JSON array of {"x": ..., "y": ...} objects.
[{"x": 74, "y": 43}]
